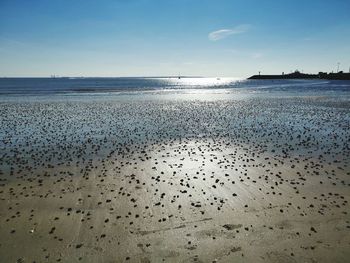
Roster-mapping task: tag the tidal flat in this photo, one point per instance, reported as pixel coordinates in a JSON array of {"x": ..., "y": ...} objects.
[{"x": 254, "y": 179}]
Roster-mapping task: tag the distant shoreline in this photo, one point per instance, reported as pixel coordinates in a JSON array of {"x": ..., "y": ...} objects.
[{"x": 297, "y": 75}]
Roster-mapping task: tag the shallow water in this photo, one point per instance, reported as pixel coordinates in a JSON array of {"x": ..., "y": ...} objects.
[{"x": 169, "y": 88}]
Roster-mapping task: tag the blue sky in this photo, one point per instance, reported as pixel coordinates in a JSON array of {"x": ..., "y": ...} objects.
[{"x": 233, "y": 38}]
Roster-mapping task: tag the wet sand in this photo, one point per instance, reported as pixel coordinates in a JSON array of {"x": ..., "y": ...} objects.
[{"x": 249, "y": 180}]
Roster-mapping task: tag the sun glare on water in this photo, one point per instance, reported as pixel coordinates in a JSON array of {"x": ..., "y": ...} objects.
[{"x": 202, "y": 82}]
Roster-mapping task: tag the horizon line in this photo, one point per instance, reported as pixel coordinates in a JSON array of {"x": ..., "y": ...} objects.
[{"x": 82, "y": 77}]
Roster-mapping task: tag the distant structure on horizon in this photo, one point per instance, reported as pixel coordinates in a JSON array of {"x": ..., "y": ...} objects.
[{"x": 298, "y": 75}]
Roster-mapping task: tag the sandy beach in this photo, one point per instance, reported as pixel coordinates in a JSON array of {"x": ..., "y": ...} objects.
[{"x": 256, "y": 179}]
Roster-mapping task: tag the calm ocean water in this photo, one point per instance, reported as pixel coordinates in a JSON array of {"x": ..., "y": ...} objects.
[{"x": 27, "y": 87}]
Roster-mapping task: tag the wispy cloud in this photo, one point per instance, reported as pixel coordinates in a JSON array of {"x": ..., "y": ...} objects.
[
  {"x": 223, "y": 33},
  {"x": 257, "y": 55}
]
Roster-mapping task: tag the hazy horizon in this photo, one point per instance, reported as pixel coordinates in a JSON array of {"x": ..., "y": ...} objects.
[{"x": 143, "y": 38}]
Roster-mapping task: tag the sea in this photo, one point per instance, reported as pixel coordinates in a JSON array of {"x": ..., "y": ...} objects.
[{"x": 166, "y": 87}]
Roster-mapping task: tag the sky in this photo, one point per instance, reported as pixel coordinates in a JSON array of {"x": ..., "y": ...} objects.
[{"x": 217, "y": 38}]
